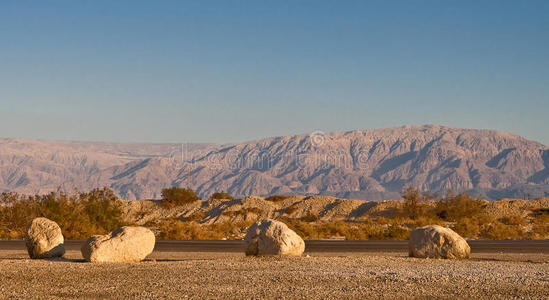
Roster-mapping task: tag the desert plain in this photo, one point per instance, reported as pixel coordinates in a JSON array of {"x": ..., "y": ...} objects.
[{"x": 199, "y": 273}]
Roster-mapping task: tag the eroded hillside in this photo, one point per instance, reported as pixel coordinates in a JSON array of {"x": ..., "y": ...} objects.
[{"x": 362, "y": 164}]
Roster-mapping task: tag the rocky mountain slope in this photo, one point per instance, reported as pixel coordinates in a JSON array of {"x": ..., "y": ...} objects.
[
  {"x": 38, "y": 166},
  {"x": 363, "y": 164}
]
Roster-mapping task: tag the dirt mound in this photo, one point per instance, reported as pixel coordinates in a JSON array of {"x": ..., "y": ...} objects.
[
  {"x": 251, "y": 208},
  {"x": 322, "y": 208},
  {"x": 326, "y": 208},
  {"x": 515, "y": 207},
  {"x": 145, "y": 211}
]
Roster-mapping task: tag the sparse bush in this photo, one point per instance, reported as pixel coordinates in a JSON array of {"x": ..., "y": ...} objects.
[
  {"x": 174, "y": 229},
  {"x": 195, "y": 217},
  {"x": 513, "y": 220},
  {"x": 176, "y": 196},
  {"x": 415, "y": 204},
  {"x": 254, "y": 210},
  {"x": 472, "y": 227},
  {"x": 222, "y": 196},
  {"x": 102, "y": 208},
  {"x": 243, "y": 212},
  {"x": 303, "y": 229},
  {"x": 277, "y": 198},
  {"x": 500, "y": 231},
  {"x": 310, "y": 217},
  {"x": 425, "y": 220},
  {"x": 454, "y": 208},
  {"x": 79, "y": 216},
  {"x": 290, "y": 209},
  {"x": 232, "y": 213},
  {"x": 468, "y": 228},
  {"x": 397, "y": 232},
  {"x": 333, "y": 229},
  {"x": 373, "y": 231},
  {"x": 540, "y": 225}
]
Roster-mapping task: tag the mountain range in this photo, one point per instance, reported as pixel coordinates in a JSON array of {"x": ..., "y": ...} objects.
[{"x": 363, "y": 164}]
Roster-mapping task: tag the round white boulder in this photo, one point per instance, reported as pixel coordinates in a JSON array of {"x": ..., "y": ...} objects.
[
  {"x": 435, "y": 241},
  {"x": 125, "y": 244},
  {"x": 270, "y": 237},
  {"x": 44, "y": 239}
]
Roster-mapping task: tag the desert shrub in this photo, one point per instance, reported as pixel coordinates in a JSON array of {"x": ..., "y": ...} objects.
[
  {"x": 351, "y": 231},
  {"x": 416, "y": 204},
  {"x": 290, "y": 209},
  {"x": 355, "y": 233},
  {"x": 85, "y": 214},
  {"x": 513, "y": 220},
  {"x": 79, "y": 215},
  {"x": 454, "y": 208},
  {"x": 472, "y": 227},
  {"x": 368, "y": 230},
  {"x": 425, "y": 220},
  {"x": 243, "y": 212},
  {"x": 539, "y": 231},
  {"x": 231, "y": 230},
  {"x": 303, "y": 229},
  {"x": 468, "y": 228},
  {"x": 222, "y": 196},
  {"x": 3, "y": 231},
  {"x": 253, "y": 210},
  {"x": 174, "y": 229},
  {"x": 232, "y": 213},
  {"x": 332, "y": 229},
  {"x": 195, "y": 217},
  {"x": 277, "y": 198},
  {"x": 102, "y": 208},
  {"x": 310, "y": 217},
  {"x": 397, "y": 232},
  {"x": 540, "y": 226},
  {"x": 500, "y": 231},
  {"x": 373, "y": 231},
  {"x": 176, "y": 196},
  {"x": 16, "y": 211}
]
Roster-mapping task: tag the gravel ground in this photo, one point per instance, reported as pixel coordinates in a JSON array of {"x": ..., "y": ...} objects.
[{"x": 232, "y": 275}]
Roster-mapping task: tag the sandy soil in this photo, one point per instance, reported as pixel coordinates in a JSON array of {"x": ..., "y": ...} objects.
[{"x": 321, "y": 275}]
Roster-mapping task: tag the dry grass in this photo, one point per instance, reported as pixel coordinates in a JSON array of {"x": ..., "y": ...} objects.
[
  {"x": 243, "y": 212},
  {"x": 174, "y": 229},
  {"x": 196, "y": 217}
]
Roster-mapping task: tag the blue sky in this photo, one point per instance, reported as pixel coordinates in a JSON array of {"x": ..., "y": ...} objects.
[{"x": 229, "y": 71}]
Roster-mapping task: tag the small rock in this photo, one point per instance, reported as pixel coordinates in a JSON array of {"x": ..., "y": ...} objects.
[
  {"x": 435, "y": 241},
  {"x": 44, "y": 239},
  {"x": 126, "y": 244},
  {"x": 270, "y": 237}
]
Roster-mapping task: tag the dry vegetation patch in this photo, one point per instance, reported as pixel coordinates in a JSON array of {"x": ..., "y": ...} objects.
[{"x": 317, "y": 217}]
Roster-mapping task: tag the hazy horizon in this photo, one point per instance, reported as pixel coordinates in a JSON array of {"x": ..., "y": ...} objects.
[
  {"x": 316, "y": 132},
  {"x": 227, "y": 72}
]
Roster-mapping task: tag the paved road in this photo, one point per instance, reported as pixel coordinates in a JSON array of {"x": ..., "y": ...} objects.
[{"x": 507, "y": 246}]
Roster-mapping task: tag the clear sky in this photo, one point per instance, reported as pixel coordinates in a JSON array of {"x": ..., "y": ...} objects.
[{"x": 229, "y": 71}]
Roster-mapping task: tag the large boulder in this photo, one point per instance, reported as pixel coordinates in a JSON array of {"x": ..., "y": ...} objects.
[
  {"x": 270, "y": 237},
  {"x": 435, "y": 241},
  {"x": 125, "y": 244},
  {"x": 44, "y": 239}
]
